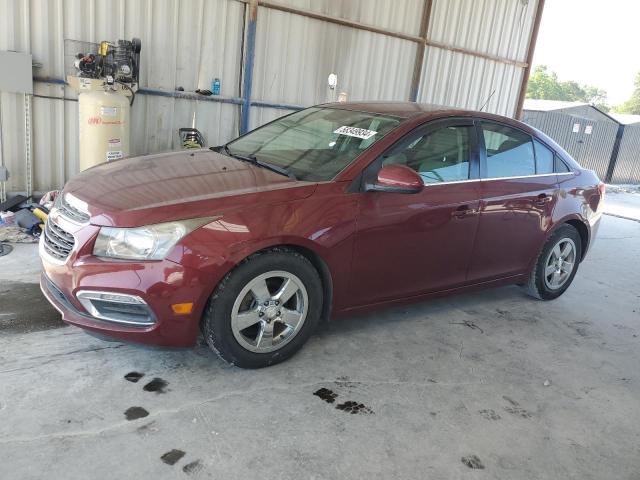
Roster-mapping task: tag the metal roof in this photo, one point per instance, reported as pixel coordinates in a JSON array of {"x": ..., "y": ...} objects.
[
  {"x": 540, "y": 105},
  {"x": 625, "y": 118}
]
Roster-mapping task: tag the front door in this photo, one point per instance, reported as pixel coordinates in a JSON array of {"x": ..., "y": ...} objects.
[
  {"x": 408, "y": 244},
  {"x": 518, "y": 196}
]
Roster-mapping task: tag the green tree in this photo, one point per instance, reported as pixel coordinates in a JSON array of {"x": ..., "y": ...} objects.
[
  {"x": 633, "y": 104},
  {"x": 544, "y": 84}
]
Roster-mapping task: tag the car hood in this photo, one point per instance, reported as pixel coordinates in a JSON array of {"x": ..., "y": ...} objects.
[{"x": 178, "y": 185}]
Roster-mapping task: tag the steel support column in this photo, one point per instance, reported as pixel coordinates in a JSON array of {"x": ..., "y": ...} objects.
[
  {"x": 247, "y": 69},
  {"x": 417, "y": 66},
  {"x": 527, "y": 69}
]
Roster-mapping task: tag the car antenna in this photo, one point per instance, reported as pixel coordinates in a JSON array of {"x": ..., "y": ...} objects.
[{"x": 487, "y": 101}]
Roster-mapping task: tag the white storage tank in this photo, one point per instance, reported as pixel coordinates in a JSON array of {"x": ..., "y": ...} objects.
[{"x": 104, "y": 127}]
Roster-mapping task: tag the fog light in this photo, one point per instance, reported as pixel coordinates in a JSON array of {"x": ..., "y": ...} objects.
[
  {"x": 182, "y": 308},
  {"x": 117, "y": 307}
]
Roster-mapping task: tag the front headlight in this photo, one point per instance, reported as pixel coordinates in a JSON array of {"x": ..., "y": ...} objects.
[{"x": 151, "y": 242}]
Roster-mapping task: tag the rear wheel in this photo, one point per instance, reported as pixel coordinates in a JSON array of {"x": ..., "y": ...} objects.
[
  {"x": 557, "y": 264},
  {"x": 264, "y": 310}
]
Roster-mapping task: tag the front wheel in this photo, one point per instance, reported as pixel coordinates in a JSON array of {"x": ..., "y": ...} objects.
[
  {"x": 557, "y": 264},
  {"x": 264, "y": 310}
]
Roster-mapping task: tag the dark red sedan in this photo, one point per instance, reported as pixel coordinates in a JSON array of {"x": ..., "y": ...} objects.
[{"x": 332, "y": 209}]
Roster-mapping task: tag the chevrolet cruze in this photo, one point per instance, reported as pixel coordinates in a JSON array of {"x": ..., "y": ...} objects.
[{"x": 336, "y": 208}]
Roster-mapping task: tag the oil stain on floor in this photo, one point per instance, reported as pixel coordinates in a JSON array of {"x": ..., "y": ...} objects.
[
  {"x": 133, "y": 376},
  {"x": 156, "y": 385},
  {"x": 473, "y": 462},
  {"x": 349, "y": 406},
  {"x": 354, "y": 407},
  {"x": 134, "y": 413},
  {"x": 193, "y": 467},
  {"x": 172, "y": 456},
  {"x": 326, "y": 395},
  {"x": 25, "y": 310}
]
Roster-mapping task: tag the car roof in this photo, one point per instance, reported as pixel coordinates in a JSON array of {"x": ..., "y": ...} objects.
[
  {"x": 422, "y": 112},
  {"x": 398, "y": 109}
]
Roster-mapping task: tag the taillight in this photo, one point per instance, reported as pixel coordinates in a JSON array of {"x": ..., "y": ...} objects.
[{"x": 601, "y": 189}]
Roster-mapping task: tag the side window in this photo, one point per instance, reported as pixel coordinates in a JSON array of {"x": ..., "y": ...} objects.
[
  {"x": 544, "y": 158},
  {"x": 561, "y": 167},
  {"x": 509, "y": 151},
  {"x": 438, "y": 156}
]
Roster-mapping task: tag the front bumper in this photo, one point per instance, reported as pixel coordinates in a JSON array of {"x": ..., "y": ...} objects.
[{"x": 159, "y": 284}]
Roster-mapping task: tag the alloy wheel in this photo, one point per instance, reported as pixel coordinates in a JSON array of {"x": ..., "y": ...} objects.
[
  {"x": 269, "y": 311},
  {"x": 560, "y": 264}
]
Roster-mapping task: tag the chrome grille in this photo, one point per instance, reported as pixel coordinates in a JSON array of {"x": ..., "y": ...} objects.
[
  {"x": 56, "y": 241},
  {"x": 71, "y": 212}
]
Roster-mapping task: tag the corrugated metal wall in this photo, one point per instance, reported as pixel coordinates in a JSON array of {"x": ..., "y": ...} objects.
[
  {"x": 627, "y": 169},
  {"x": 184, "y": 43},
  {"x": 295, "y": 54},
  {"x": 592, "y": 150},
  {"x": 496, "y": 27},
  {"x": 189, "y": 42}
]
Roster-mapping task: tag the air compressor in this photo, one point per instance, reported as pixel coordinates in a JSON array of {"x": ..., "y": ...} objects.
[{"x": 105, "y": 75}]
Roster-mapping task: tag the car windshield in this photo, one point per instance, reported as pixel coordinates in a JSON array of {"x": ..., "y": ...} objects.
[{"x": 314, "y": 144}]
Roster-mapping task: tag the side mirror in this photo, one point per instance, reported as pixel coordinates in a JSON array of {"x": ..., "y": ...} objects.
[{"x": 396, "y": 179}]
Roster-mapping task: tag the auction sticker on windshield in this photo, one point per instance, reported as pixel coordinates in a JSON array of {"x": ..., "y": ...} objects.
[{"x": 355, "y": 132}]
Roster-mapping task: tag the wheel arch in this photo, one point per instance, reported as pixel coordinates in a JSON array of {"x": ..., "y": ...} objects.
[
  {"x": 291, "y": 245},
  {"x": 583, "y": 231},
  {"x": 323, "y": 270},
  {"x": 577, "y": 223}
]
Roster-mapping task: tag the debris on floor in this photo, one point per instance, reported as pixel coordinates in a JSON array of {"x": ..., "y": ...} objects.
[
  {"x": 15, "y": 234},
  {"x": 468, "y": 323}
]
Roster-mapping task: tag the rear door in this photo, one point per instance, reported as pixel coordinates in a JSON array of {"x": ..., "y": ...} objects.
[
  {"x": 518, "y": 192},
  {"x": 408, "y": 244}
]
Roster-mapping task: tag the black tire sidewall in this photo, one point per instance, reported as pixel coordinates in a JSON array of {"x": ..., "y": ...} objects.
[
  {"x": 565, "y": 231},
  {"x": 217, "y": 322}
]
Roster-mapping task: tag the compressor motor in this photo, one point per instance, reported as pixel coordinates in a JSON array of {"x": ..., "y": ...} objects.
[
  {"x": 120, "y": 61},
  {"x": 105, "y": 75}
]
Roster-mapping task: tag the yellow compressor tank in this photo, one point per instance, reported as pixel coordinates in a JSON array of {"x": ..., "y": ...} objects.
[{"x": 104, "y": 127}]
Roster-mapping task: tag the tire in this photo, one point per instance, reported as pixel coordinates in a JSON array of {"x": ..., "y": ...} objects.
[
  {"x": 554, "y": 284},
  {"x": 281, "y": 329}
]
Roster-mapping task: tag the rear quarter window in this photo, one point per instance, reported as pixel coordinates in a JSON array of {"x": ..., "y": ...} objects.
[
  {"x": 544, "y": 158},
  {"x": 560, "y": 166}
]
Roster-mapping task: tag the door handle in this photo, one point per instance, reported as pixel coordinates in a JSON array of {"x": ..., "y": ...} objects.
[
  {"x": 543, "y": 199},
  {"x": 464, "y": 211}
]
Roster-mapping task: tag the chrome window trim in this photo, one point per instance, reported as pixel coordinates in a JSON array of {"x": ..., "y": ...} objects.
[
  {"x": 498, "y": 178},
  {"x": 526, "y": 176},
  {"x": 451, "y": 182}
]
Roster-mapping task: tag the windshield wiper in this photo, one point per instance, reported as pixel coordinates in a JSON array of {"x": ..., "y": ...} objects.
[{"x": 253, "y": 159}]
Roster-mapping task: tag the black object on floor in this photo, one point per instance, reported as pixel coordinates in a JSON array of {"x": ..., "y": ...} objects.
[
  {"x": 12, "y": 203},
  {"x": 5, "y": 249}
]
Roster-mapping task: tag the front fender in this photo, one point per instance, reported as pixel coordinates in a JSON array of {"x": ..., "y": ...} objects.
[{"x": 322, "y": 224}]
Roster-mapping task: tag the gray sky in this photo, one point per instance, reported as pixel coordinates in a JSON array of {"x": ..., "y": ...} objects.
[{"x": 596, "y": 42}]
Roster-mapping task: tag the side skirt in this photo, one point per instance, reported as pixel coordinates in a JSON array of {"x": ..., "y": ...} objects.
[{"x": 514, "y": 279}]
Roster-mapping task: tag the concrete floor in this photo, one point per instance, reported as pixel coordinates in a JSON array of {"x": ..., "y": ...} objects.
[{"x": 525, "y": 389}]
